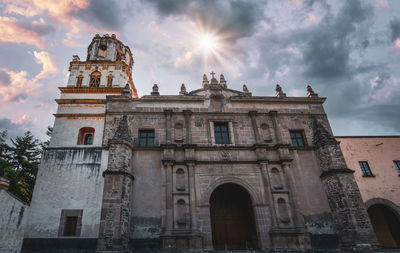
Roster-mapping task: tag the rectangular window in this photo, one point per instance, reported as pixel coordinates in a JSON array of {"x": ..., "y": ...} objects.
[
  {"x": 146, "y": 138},
  {"x": 221, "y": 132},
  {"x": 397, "y": 164},
  {"x": 70, "y": 222},
  {"x": 297, "y": 138},
  {"x": 365, "y": 169},
  {"x": 70, "y": 225}
]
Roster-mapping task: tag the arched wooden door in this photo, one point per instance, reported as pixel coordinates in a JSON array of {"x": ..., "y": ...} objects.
[
  {"x": 386, "y": 225},
  {"x": 232, "y": 218}
]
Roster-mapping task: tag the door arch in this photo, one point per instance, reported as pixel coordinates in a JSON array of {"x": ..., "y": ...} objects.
[
  {"x": 232, "y": 218},
  {"x": 386, "y": 225}
]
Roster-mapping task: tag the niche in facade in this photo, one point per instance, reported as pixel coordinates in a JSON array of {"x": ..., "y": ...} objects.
[
  {"x": 181, "y": 213},
  {"x": 264, "y": 132},
  {"x": 276, "y": 179},
  {"x": 283, "y": 211},
  {"x": 180, "y": 180},
  {"x": 178, "y": 130}
]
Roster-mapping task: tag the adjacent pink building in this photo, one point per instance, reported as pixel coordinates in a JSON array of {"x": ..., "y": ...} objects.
[{"x": 376, "y": 162}]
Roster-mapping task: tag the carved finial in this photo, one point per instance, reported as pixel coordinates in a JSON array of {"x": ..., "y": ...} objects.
[
  {"x": 245, "y": 88},
  {"x": 126, "y": 91},
  {"x": 311, "y": 93},
  {"x": 155, "y": 91},
  {"x": 183, "y": 90},
  {"x": 279, "y": 92},
  {"x": 222, "y": 80},
  {"x": 205, "y": 82},
  {"x": 75, "y": 58}
]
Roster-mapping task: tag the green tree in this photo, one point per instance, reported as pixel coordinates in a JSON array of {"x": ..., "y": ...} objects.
[
  {"x": 24, "y": 158},
  {"x": 4, "y": 153}
]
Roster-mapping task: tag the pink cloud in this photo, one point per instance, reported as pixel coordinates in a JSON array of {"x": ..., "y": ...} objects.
[
  {"x": 49, "y": 67},
  {"x": 382, "y": 89},
  {"x": 24, "y": 119},
  {"x": 12, "y": 30},
  {"x": 383, "y": 3}
]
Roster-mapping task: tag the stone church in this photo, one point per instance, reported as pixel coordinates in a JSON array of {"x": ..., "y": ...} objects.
[{"x": 213, "y": 169}]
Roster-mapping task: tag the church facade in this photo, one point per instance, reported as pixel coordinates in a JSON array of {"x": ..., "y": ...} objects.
[{"x": 203, "y": 170}]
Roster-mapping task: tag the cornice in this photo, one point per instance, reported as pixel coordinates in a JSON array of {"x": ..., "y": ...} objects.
[
  {"x": 78, "y": 115},
  {"x": 80, "y": 101},
  {"x": 98, "y": 90}
]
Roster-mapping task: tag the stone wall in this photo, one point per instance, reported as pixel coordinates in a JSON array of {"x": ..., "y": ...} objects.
[{"x": 13, "y": 215}]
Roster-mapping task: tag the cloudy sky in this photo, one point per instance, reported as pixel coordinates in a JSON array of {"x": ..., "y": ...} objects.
[{"x": 348, "y": 51}]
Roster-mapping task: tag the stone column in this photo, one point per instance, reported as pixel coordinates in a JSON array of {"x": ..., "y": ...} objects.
[
  {"x": 118, "y": 181},
  {"x": 192, "y": 191},
  {"x": 347, "y": 207},
  {"x": 253, "y": 115},
  {"x": 188, "y": 114},
  {"x": 168, "y": 114},
  {"x": 268, "y": 194},
  {"x": 273, "y": 115},
  {"x": 168, "y": 198},
  {"x": 298, "y": 218}
]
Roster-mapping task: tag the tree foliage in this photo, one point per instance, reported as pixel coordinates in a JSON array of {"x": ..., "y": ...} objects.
[{"x": 19, "y": 161}]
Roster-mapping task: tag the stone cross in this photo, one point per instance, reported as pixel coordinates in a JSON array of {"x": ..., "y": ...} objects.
[{"x": 212, "y": 73}]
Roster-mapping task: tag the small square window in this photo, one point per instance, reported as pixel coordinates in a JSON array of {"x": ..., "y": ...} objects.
[
  {"x": 297, "y": 138},
  {"x": 221, "y": 133},
  {"x": 146, "y": 138},
  {"x": 71, "y": 223},
  {"x": 365, "y": 169},
  {"x": 397, "y": 164}
]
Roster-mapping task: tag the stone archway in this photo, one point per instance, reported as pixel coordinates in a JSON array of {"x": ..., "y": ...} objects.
[
  {"x": 385, "y": 220},
  {"x": 232, "y": 218}
]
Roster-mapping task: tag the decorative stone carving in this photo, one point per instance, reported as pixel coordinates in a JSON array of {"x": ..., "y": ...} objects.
[
  {"x": 311, "y": 93},
  {"x": 155, "y": 90},
  {"x": 183, "y": 90},
  {"x": 279, "y": 92}
]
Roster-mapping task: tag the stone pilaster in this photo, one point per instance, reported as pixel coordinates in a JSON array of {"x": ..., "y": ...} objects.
[
  {"x": 188, "y": 115},
  {"x": 168, "y": 114},
  {"x": 253, "y": 115},
  {"x": 192, "y": 192},
  {"x": 118, "y": 180},
  {"x": 348, "y": 210},
  {"x": 278, "y": 137}
]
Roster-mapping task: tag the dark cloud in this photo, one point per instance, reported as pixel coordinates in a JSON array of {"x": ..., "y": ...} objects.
[
  {"x": 395, "y": 28},
  {"x": 109, "y": 14},
  {"x": 13, "y": 129},
  {"x": 39, "y": 28},
  {"x": 327, "y": 48},
  {"x": 4, "y": 78},
  {"x": 235, "y": 18}
]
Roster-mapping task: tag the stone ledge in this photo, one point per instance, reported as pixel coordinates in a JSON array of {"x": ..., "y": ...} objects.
[
  {"x": 119, "y": 172},
  {"x": 336, "y": 171}
]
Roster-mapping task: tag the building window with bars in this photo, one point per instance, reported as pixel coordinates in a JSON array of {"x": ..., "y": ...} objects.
[
  {"x": 365, "y": 169},
  {"x": 95, "y": 79},
  {"x": 397, "y": 164},
  {"x": 297, "y": 138},
  {"x": 146, "y": 138},
  {"x": 221, "y": 133}
]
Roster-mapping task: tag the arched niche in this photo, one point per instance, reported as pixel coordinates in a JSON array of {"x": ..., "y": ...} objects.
[
  {"x": 283, "y": 211},
  {"x": 180, "y": 180},
  {"x": 276, "y": 179}
]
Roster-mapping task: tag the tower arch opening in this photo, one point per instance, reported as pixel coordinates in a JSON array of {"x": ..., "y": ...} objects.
[{"x": 232, "y": 218}]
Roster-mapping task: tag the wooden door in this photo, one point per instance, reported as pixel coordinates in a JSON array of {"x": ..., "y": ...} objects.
[{"x": 232, "y": 218}]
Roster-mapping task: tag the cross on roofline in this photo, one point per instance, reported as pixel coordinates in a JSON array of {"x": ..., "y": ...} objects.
[{"x": 212, "y": 73}]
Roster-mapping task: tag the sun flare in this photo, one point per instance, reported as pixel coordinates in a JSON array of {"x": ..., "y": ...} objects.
[{"x": 208, "y": 43}]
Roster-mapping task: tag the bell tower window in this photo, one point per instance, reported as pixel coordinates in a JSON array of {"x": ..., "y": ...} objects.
[
  {"x": 79, "y": 80},
  {"x": 109, "y": 80},
  {"x": 95, "y": 79},
  {"x": 86, "y": 135}
]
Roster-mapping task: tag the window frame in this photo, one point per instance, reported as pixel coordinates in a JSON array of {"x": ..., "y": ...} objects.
[
  {"x": 397, "y": 166},
  {"x": 95, "y": 79},
  {"x": 365, "y": 169},
  {"x": 219, "y": 134},
  {"x": 296, "y": 138},
  {"x": 146, "y": 138},
  {"x": 76, "y": 214},
  {"x": 83, "y": 132}
]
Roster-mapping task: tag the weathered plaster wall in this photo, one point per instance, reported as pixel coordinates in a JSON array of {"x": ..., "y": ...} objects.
[
  {"x": 380, "y": 152},
  {"x": 13, "y": 215},
  {"x": 67, "y": 179},
  {"x": 66, "y": 131}
]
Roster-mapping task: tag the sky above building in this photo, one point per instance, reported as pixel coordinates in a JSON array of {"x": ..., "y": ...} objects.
[{"x": 348, "y": 51}]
